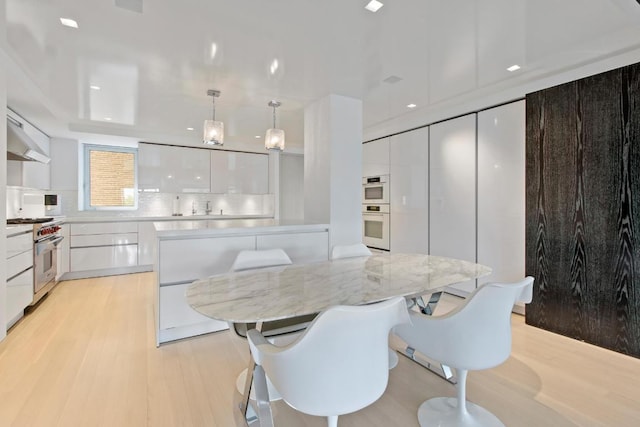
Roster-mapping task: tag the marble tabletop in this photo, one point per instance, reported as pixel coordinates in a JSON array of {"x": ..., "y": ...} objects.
[{"x": 299, "y": 289}]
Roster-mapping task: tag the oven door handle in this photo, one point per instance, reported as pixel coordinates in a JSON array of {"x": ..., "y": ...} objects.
[
  {"x": 48, "y": 245},
  {"x": 371, "y": 216}
]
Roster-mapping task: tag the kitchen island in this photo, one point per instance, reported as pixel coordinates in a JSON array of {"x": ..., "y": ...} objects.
[{"x": 191, "y": 250}]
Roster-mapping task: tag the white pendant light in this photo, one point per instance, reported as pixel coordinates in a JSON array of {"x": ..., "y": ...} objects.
[
  {"x": 213, "y": 130},
  {"x": 274, "y": 140}
]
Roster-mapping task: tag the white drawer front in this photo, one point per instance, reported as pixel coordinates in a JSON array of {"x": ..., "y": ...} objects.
[
  {"x": 104, "y": 228},
  {"x": 301, "y": 247},
  {"x": 104, "y": 240},
  {"x": 19, "y": 263},
  {"x": 188, "y": 260},
  {"x": 174, "y": 309},
  {"x": 99, "y": 258},
  {"x": 19, "y": 244},
  {"x": 19, "y": 293}
]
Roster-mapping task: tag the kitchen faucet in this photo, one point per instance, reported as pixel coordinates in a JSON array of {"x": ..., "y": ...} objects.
[
  {"x": 208, "y": 208},
  {"x": 194, "y": 208}
]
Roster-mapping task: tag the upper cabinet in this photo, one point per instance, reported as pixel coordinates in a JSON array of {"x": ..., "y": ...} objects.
[
  {"x": 239, "y": 173},
  {"x": 170, "y": 169},
  {"x": 375, "y": 158}
]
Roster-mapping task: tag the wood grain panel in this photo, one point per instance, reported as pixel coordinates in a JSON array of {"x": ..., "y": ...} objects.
[{"x": 583, "y": 209}]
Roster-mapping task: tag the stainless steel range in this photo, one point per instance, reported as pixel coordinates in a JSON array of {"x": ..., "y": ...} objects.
[{"x": 46, "y": 237}]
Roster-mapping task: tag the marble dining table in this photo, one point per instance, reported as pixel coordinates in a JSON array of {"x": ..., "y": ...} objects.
[{"x": 269, "y": 294}]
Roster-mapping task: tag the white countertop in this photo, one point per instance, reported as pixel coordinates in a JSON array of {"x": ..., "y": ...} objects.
[{"x": 172, "y": 229}]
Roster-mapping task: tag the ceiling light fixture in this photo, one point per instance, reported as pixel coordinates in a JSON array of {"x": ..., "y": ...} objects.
[
  {"x": 68, "y": 22},
  {"x": 514, "y": 67},
  {"x": 411, "y": 106},
  {"x": 373, "y": 6},
  {"x": 274, "y": 140},
  {"x": 108, "y": 119},
  {"x": 94, "y": 87},
  {"x": 258, "y": 136},
  {"x": 213, "y": 130},
  {"x": 189, "y": 128}
]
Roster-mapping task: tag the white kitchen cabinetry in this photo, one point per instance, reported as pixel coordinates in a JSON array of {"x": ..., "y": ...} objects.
[
  {"x": 170, "y": 169},
  {"x": 239, "y": 173},
  {"x": 146, "y": 243},
  {"x": 185, "y": 258},
  {"x": 452, "y": 170},
  {"x": 409, "y": 192},
  {"x": 100, "y": 249},
  {"x": 501, "y": 191},
  {"x": 180, "y": 263},
  {"x": 375, "y": 158},
  {"x": 63, "y": 250},
  {"x": 301, "y": 247},
  {"x": 19, "y": 276},
  {"x": 190, "y": 259}
]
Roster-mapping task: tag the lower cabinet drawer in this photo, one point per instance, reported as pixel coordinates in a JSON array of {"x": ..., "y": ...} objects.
[
  {"x": 104, "y": 240},
  {"x": 103, "y": 257},
  {"x": 174, "y": 309},
  {"x": 19, "y": 293},
  {"x": 19, "y": 263}
]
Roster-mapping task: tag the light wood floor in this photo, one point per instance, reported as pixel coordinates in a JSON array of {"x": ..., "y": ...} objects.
[{"x": 86, "y": 357}]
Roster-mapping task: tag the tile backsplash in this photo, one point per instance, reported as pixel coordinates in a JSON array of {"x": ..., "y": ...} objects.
[{"x": 149, "y": 204}]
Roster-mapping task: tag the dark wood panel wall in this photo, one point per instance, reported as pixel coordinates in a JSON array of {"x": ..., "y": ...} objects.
[{"x": 583, "y": 209}]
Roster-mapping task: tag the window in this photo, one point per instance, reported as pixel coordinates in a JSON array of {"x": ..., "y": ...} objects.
[{"x": 110, "y": 177}]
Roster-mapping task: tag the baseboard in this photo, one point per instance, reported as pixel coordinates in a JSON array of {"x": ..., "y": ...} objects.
[{"x": 88, "y": 274}]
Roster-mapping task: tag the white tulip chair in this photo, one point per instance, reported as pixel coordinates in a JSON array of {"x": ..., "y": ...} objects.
[
  {"x": 284, "y": 330},
  {"x": 339, "y": 364},
  {"x": 349, "y": 251},
  {"x": 360, "y": 250},
  {"x": 474, "y": 336}
]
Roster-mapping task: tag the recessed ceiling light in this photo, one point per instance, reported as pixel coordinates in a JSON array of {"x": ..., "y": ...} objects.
[
  {"x": 108, "y": 119},
  {"x": 373, "y": 6},
  {"x": 189, "y": 128},
  {"x": 67, "y": 22},
  {"x": 94, "y": 87},
  {"x": 514, "y": 67},
  {"x": 411, "y": 106}
]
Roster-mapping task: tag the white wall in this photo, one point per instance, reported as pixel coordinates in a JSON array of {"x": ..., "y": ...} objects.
[
  {"x": 291, "y": 186},
  {"x": 333, "y": 166}
]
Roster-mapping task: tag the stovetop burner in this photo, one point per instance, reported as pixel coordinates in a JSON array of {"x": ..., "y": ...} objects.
[{"x": 28, "y": 220}]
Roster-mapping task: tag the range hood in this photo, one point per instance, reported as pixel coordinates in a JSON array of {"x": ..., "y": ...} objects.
[{"x": 21, "y": 147}]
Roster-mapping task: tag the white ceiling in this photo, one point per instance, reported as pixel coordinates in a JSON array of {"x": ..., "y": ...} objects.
[{"x": 155, "y": 67}]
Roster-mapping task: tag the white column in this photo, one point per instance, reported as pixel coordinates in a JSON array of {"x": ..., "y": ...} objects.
[
  {"x": 274, "y": 181},
  {"x": 333, "y": 167},
  {"x": 3, "y": 176}
]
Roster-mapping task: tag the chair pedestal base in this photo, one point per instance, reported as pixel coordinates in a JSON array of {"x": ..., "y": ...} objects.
[
  {"x": 273, "y": 393},
  {"x": 443, "y": 412},
  {"x": 393, "y": 358}
]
